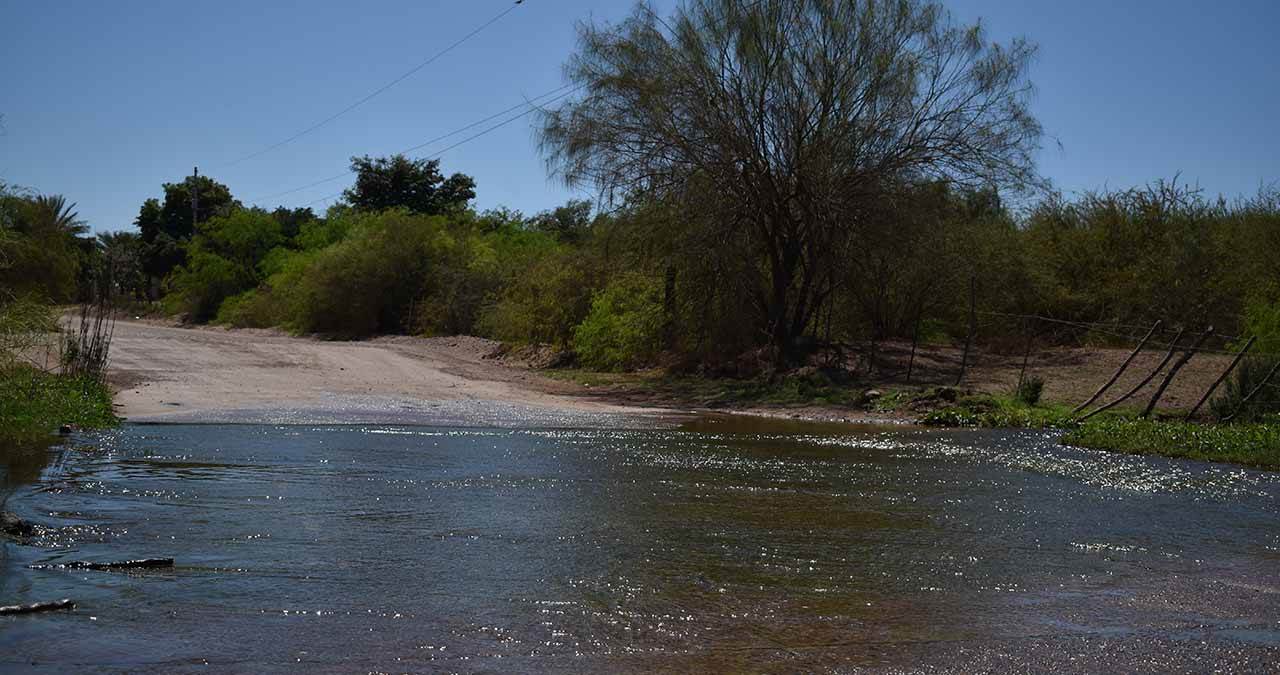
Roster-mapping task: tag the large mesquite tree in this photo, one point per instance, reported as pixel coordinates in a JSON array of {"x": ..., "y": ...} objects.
[{"x": 777, "y": 126}]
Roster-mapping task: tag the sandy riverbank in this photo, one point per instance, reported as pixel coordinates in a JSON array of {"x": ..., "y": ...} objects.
[
  {"x": 166, "y": 373},
  {"x": 172, "y": 374}
]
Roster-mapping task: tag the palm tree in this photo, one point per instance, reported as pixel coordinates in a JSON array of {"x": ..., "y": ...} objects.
[{"x": 53, "y": 213}]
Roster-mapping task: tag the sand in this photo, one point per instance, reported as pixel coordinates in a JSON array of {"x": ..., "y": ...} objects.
[{"x": 173, "y": 374}]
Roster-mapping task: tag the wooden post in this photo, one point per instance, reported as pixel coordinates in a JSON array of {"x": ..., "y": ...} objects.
[
  {"x": 1218, "y": 382},
  {"x": 973, "y": 321},
  {"x": 195, "y": 199},
  {"x": 1253, "y": 393},
  {"x": 915, "y": 340},
  {"x": 1123, "y": 367},
  {"x": 1173, "y": 349},
  {"x": 1026, "y": 356},
  {"x": 1173, "y": 372}
]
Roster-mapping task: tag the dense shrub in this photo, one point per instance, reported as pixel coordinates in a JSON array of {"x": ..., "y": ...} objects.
[
  {"x": 1029, "y": 390},
  {"x": 223, "y": 260},
  {"x": 1248, "y": 376},
  {"x": 546, "y": 296},
  {"x": 368, "y": 283},
  {"x": 25, "y": 323},
  {"x": 624, "y": 327},
  {"x": 34, "y": 403}
]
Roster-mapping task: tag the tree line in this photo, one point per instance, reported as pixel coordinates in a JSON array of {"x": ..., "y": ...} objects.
[{"x": 773, "y": 178}]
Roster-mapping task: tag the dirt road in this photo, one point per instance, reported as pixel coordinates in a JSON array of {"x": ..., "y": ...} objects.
[{"x": 175, "y": 374}]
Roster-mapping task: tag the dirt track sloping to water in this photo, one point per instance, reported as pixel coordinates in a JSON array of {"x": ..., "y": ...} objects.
[{"x": 164, "y": 373}]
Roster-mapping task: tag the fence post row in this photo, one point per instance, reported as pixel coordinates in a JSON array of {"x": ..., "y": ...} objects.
[
  {"x": 1218, "y": 382},
  {"x": 1123, "y": 367},
  {"x": 1253, "y": 393},
  {"x": 1173, "y": 349},
  {"x": 1173, "y": 372}
]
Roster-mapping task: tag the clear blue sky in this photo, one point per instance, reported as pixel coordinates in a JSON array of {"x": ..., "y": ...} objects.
[{"x": 105, "y": 101}]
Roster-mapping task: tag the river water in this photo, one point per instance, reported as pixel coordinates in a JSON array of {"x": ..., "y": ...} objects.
[{"x": 719, "y": 546}]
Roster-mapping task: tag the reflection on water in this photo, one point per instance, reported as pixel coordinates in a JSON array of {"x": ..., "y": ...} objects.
[
  {"x": 717, "y": 547},
  {"x": 25, "y": 462}
]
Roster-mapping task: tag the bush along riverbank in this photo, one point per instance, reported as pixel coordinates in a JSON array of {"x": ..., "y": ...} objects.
[
  {"x": 35, "y": 404},
  {"x": 1255, "y": 444}
]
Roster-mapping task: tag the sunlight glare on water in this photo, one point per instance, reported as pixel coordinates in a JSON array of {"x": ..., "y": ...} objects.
[{"x": 410, "y": 548}]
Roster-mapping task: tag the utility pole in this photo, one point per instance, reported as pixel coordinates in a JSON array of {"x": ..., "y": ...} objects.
[{"x": 195, "y": 197}]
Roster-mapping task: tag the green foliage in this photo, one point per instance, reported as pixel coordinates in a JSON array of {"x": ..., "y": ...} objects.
[
  {"x": 1000, "y": 412},
  {"x": 1246, "y": 379},
  {"x": 119, "y": 268},
  {"x": 665, "y": 119},
  {"x": 167, "y": 227},
  {"x": 223, "y": 260},
  {"x": 1256, "y": 445},
  {"x": 25, "y": 323},
  {"x": 570, "y": 224},
  {"x": 415, "y": 185},
  {"x": 251, "y": 309},
  {"x": 624, "y": 327},
  {"x": 33, "y": 404},
  {"x": 41, "y": 250},
  {"x": 547, "y": 293},
  {"x": 1262, "y": 319},
  {"x": 368, "y": 283},
  {"x": 1029, "y": 390}
]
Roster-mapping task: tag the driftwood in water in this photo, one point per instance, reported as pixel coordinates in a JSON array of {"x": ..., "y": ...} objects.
[
  {"x": 1218, "y": 382},
  {"x": 1123, "y": 367},
  {"x": 146, "y": 563},
  {"x": 1173, "y": 349},
  {"x": 15, "y": 527},
  {"x": 37, "y": 607},
  {"x": 1173, "y": 372}
]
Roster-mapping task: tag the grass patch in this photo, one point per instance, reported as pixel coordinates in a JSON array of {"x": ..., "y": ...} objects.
[
  {"x": 1001, "y": 411},
  {"x": 1255, "y": 445},
  {"x": 33, "y": 404}
]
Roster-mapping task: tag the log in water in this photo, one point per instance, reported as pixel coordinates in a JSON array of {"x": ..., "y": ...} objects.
[{"x": 38, "y": 607}]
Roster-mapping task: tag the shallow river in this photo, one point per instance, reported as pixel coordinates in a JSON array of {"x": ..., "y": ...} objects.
[{"x": 722, "y": 546}]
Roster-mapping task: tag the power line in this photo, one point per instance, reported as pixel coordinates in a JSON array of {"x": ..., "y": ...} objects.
[
  {"x": 532, "y": 108},
  {"x": 379, "y": 90},
  {"x": 528, "y": 102}
]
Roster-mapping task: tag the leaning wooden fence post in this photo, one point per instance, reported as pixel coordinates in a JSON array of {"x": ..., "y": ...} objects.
[
  {"x": 1240, "y": 408},
  {"x": 1221, "y": 378},
  {"x": 1123, "y": 367},
  {"x": 1173, "y": 372},
  {"x": 1173, "y": 349},
  {"x": 973, "y": 324},
  {"x": 1026, "y": 355},
  {"x": 915, "y": 340}
]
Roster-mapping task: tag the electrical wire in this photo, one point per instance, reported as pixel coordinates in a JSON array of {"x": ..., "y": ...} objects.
[
  {"x": 334, "y": 177},
  {"x": 532, "y": 108},
  {"x": 437, "y": 139},
  {"x": 376, "y": 92}
]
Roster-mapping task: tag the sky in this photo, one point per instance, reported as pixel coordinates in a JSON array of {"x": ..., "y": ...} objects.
[{"x": 104, "y": 102}]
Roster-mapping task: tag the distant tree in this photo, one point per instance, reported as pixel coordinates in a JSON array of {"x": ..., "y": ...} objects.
[
  {"x": 775, "y": 126},
  {"x": 413, "y": 184},
  {"x": 292, "y": 220},
  {"x": 569, "y": 223},
  {"x": 223, "y": 259},
  {"x": 120, "y": 264},
  {"x": 167, "y": 226},
  {"x": 52, "y": 213}
]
